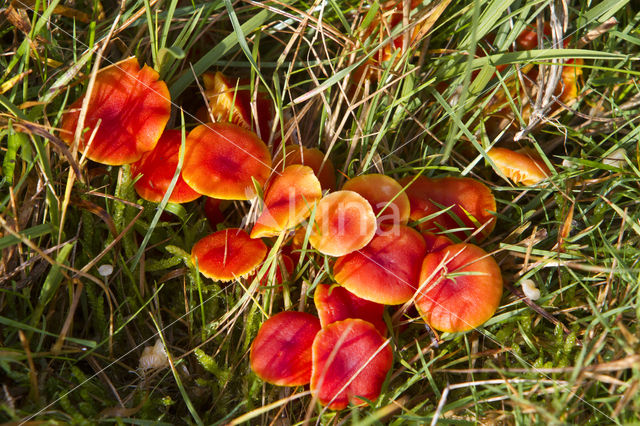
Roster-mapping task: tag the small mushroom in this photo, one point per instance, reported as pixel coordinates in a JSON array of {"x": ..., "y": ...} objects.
[
  {"x": 281, "y": 352},
  {"x": 229, "y": 100},
  {"x": 471, "y": 204},
  {"x": 522, "y": 166},
  {"x": 288, "y": 201},
  {"x": 312, "y": 157},
  {"x": 389, "y": 16},
  {"x": 389, "y": 202},
  {"x": 214, "y": 211},
  {"x": 335, "y": 303},
  {"x": 155, "y": 170},
  {"x": 530, "y": 290},
  {"x": 228, "y": 254},
  {"x": 350, "y": 360},
  {"x": 222, "y": 160},
  {"x": 344, "y": 222},
  {"x": 460, "y": 288},
  {"x": 283, "y": 271},
  {"x": 435, "y": 242},
  {"x": 387, "y": 269},
  {"x": 130, "y": 105},
  {"x": 153, "y": 357}
]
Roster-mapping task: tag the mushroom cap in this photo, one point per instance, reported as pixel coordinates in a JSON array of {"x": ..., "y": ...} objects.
[
  {"x": 435, "y": 242},
  {"x": 463, "y": 290},
  {"x": 222, "y": 159},
  {"x": 213, "y": 210},
  {"x": 279, "y": 276},
  {"x": 157, "y": 168},
  {"x": 335, "y": 303},
  {"x": 281, "y": 352},
  {"x": 567, "y": 90},
  {"x": 288, "y": 201},
  {"x": 468, "y": 197},
  {"x": 344, "y": 222},
  {"x": 380, "y": 190},
  {"x": 387, "y": 269},
  {"x": 528, "y": 38},
  {"x": 312, "y": 157},
  {"x": 523, "y": 167},
  {"x": 388, "y": 17},
  {"x": 133, "y": 108},
  {"x": 350, "y": 359},
  {"x": 228, "y": 254},
  {"x": 230, "y": 103}
]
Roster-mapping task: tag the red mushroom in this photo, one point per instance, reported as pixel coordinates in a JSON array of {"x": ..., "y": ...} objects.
[
  {"x": 281, "y": 352},
  {"x": 155, "y": 170},
  {"x": 335, "y": 303},
  {"x": 389, "y": 16},
  {"x": 471, "y": 203},
  {"x": 230, "y": 100},
  {"x": 214, "y": 211},
  {"x": 461, "y": 287},
  {"x": 312, "y": 157},
  {"x": 228, "y": 254},
  {"x": 350, "y": 360},
  {"x": 222, "y": 161},
  {"x": 435, "y": 242},
  {"x": 387, "y": 269},
  {"x": 131, "y": 107},
  {"x": 283, "y": 271}
]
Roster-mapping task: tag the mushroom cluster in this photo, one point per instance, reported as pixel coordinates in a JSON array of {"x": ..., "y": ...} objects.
[
  {"x": 387, "y": 242},
  {"x": 379, "y": 259}
]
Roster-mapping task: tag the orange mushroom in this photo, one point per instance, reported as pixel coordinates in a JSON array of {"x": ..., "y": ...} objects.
[
  {"x": 155, "y": 170},
  {"x": 222, "y": 160},
  {"x": 281, "y": 352},
  {"x": 461, "y": 287},
  {"x": 344, "y": 222},
  {"x": 335, "y": 303},
  {"x": 435, "y": 242},
  {"x": 471, "y": 204},
  {"x": 387, "y": 269},
  {"x": 213, "y": 210},
  {"x": 228, "y": 254},
  {"x": 389, "y": 202},
  {"x": 389, "y": 16},
  {"x": 522, "y": 166},
  {"x": 312, "y": 157},
  {"x": 229, "y": 102},
  {"x": 350, "y": 360},
  {"x": 283, "y": 271},
  {"x": 130, "y": 105},
  {"x": 288, "y": 201}
]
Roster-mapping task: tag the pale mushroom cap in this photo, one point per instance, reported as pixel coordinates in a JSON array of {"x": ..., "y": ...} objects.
[
  {"x": 344, "y": 222},
  {"x": 389, "y": 202}
]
